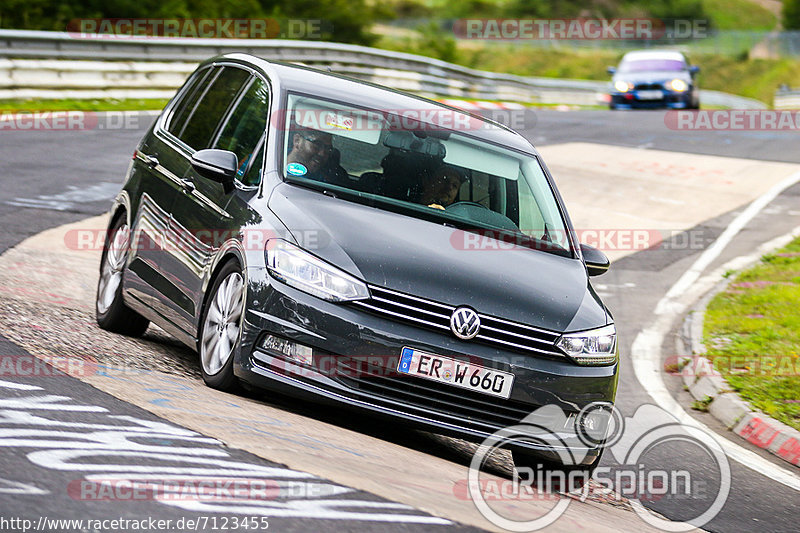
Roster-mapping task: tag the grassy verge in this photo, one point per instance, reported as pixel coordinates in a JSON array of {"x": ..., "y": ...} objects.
[
  {"x": 752, "y": 333},
  {"x": 37, "y": 106},
  {"x": 739, "y": 15}
]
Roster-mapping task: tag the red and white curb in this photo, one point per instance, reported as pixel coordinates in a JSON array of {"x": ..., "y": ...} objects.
[
  {"x": 706, "y": 385},
  {"x": 738, "y": 416}
]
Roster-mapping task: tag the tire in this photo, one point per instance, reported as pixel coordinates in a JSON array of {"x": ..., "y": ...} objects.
[
  {"x": 221, "y": 327},
  {"x": 110, "y": 310}
]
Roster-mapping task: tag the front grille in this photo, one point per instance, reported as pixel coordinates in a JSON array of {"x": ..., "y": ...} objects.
[
  {"x": 496, "y": 332},
  {"x": 649, "y": 87},
  {"x": 437, "y": 401}
]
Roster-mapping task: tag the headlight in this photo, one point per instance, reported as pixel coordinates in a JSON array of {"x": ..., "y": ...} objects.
[
  {"x": 301, "y": 270},
  {"x": 678, "y": 85},
  {"x": 593, "y": 347},
  {"x": 623, "y": 86}
]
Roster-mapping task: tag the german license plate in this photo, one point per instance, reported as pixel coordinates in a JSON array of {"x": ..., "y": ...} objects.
[
  {"x": 650, "y": 95},
  {"x": 456, "y": 373}
]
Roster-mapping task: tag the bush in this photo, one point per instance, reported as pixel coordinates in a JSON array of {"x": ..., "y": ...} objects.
[{"x": 791, "y": 14}]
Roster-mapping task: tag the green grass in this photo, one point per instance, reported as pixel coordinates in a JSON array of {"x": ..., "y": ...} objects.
[
  {"x": 752, "y": 333},
  {"x": 35, "y": 106},
  {"x": 739, "y": 15},
  {"x": 702, "y": 405}
]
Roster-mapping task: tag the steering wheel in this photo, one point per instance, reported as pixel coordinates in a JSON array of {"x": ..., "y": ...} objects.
[
  {"x": 480, "y": 213},
  {"x": 464, "y": 206}
]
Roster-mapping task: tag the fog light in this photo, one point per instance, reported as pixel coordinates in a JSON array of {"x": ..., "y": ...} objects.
[{"x": 288, "y": 349}]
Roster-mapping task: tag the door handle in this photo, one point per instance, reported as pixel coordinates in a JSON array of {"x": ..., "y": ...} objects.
[{"x": 187, "y": 186}]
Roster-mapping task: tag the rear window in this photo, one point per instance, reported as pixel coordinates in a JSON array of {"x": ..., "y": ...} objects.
[
  {"x": 195, "y": 88},
  {"x": 201, "y": 121}
]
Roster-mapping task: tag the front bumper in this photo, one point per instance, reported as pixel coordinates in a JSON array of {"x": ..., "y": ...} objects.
[
  {"x": 356, "y": 356},
  {"x": 668, "y": 100}
]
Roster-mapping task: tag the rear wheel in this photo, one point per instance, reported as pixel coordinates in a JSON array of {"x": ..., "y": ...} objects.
[
  {"x": 111, "y": 312},
  {"x": 221, "y": 328}
]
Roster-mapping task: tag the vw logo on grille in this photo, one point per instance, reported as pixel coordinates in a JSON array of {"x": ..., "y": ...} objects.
[{"x": 465, "y": 323}]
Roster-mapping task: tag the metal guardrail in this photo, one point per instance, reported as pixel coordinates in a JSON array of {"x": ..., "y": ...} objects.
[
  {"x": 53, "y": 64},
  {"x": 787, "y": 99}
]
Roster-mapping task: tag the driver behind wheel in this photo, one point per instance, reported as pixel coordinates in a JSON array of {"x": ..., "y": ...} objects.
[{"x": 442, "y": 188}]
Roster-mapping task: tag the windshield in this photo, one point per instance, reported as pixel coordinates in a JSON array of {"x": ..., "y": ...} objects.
[
  {"x": 652, "y": 65},
  {"x": 422, "y": 170}
]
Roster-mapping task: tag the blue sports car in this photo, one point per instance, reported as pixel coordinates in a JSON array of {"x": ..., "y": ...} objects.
[{"x": 654, "y": 79}]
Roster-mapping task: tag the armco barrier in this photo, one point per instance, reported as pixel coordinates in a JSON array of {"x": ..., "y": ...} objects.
[
  {"x": 36, "y": 64},
  {"x": 787, "y": 99}
]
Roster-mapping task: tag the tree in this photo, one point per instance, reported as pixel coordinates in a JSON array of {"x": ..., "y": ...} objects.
[
  {"x": 339, "y": 20},
  {"x": 791, "y": 14}
]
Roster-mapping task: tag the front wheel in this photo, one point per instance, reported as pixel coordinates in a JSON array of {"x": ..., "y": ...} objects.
[
  {"x": 221, "y": 328},
  {"x": 111, "y": 312}
]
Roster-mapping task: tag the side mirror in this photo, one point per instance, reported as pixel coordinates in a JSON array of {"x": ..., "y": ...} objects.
[
  {"x": 596, "y": 261},
  {"x": 216, "y": 165},
  {"x": 611, "y": 70},
  {"x": 694, "y": 69}
]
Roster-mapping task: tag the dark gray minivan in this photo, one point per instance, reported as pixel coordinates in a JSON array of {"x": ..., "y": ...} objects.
[{"x": 352, "y": 245}]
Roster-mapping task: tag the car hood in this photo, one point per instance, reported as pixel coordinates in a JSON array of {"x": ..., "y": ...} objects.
[
  {"x": 652, "y": 76},
  {"x": 425, "y": 259}
]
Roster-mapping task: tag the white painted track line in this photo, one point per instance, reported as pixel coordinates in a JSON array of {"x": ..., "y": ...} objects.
[{"x": 646, "y": 349}]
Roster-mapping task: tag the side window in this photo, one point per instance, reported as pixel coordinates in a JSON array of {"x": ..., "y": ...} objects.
[
  {"x": 203, "y": 119},
  {"x": 250, "y": 170},
  {"x": 195, "y": 89},
  {"x": 245, "y": 127}
]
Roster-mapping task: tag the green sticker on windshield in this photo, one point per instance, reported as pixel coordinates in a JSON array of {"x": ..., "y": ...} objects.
[{"x": 296, "y": 169}]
